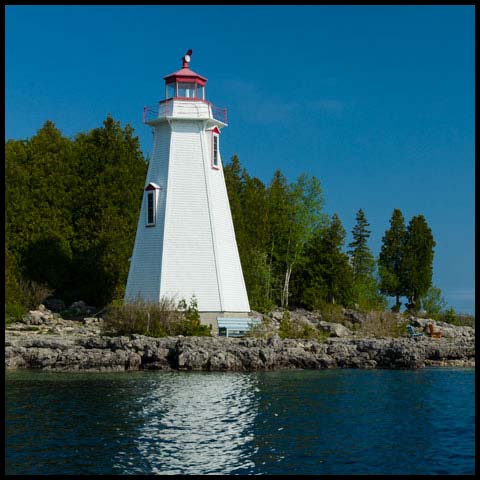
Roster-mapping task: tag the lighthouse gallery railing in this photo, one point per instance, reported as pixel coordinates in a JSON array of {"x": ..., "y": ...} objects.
[{"x": 165, "y": 109}]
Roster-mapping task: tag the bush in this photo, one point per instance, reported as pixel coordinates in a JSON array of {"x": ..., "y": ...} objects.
[
  {"x": 14, "y": 312},
  {"x": 192, "y": 325},
  {"x": 162, "y": 319},
  {"x": 290, "y": 329},
  {"x": 265, "y": 329},
  {"x": 455, "y": 318},
  {"x": 332, "y": 312},
  {"x": 433, "y": 302},
  {"x": 383, "y": 324}
]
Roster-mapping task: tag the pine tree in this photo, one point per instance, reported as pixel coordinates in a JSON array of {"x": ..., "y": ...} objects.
[
  {"x": 328, "y": 277},
  {"x": 365, "y": 286},
  {"x": 111, "y": 173},
  {"x": 417, "y": 261},
  {"x": 362, "y": 260},
  {"x": 390, "y": 258}
]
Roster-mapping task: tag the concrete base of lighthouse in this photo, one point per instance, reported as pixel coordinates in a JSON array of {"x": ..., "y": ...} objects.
[{"x": 210, "y": 318}]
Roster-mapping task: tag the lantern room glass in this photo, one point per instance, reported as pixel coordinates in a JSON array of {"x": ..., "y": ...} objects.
[
  {"x": 170, "y": 90},
  {"x": 184, "y": 90}
]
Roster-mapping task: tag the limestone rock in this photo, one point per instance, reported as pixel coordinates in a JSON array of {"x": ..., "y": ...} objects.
[{"x": 335, "y": 329}]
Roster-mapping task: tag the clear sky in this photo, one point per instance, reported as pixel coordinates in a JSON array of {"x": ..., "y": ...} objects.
[{"x": 376, "y": 101}]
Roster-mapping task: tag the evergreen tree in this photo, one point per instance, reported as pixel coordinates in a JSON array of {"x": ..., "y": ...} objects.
[
  {"x": 365, "y": 286},
  {"x": 278, "y": 217},
  {"x": 39, "y": 179},
  {"x": 417, "y": 261},
  {"x": 390, "y": 258},
  {"x": 362, "y": 260},
  {"x": 328, "y": 274},
  {"x": 111, "y": 173}
]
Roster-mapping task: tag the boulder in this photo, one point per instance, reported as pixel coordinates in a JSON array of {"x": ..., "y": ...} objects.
[
  {"x": 354, "y": 317},
  {"x": 276, "y": 314},
  {"x": 335, "y": 329},
  {"x": 38, "y": 317}
]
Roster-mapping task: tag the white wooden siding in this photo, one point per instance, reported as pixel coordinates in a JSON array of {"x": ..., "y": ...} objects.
[
  {"x": 188, "y": 254},
  {"x": 146, "y": 261},
  {"x": 192, "y": 248}
]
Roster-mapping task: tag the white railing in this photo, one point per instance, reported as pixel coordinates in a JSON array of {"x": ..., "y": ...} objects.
[{"x": 167, "y": 108}]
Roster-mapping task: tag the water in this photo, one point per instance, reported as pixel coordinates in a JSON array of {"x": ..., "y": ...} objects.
[{"x": 284, "y": 422}]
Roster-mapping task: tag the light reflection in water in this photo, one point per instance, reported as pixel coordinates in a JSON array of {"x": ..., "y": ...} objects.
[{"x": 191, "y": 425}]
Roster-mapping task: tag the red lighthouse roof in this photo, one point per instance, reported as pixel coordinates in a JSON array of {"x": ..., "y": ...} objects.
[{"x": 185, "y": 74}]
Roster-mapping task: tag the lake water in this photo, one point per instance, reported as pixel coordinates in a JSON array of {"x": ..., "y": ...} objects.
[{"x": 283, "y": 422}]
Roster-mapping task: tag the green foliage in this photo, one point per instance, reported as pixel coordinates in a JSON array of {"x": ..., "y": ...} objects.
[
  {"x": 71, "y": 212},
  {"x": 14, "y": 312},
  {"x": 366, "y": 293},
  {"x": 290, "y": 329},
  {"x": 367, "y": 297},
  {"x": 192, "y": 325},
  {"x": 450, "y": 316},
  {"x": 362, "y": 260},
  {"x": 272, "y": 226},
  {"x": 162, "y": 319},
  {"x": 391, "y": 258},
  {"x": 328, "y": 277},
  {"x": 433, "y": 302},
  {"x": 265, "y": 329},
  {"x": 72, "y": 209},
  {"x": 417, "y": 261}
]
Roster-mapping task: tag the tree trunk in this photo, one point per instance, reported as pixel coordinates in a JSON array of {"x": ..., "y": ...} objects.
[{"x": 285, "y": 292}]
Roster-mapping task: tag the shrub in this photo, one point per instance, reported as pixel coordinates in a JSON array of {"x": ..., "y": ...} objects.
[
  {"x": 332, "y": 312},
  {"x": 265, "y": 329},
  {"x": 161, "y": 319},
  {"x": 383, "y": 324},
  {"x": 13, "y": 312},
  {"x": 192, "y": 325},
  {"x": 290, "y": 329}
]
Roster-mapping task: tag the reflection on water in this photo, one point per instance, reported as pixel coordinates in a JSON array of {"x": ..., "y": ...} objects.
[
  {"x": 286, "y": 422},
  {"x": 197, "y": 423}
]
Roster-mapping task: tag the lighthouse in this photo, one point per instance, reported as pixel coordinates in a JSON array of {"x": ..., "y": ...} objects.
[{"x": 185, "y": 242}]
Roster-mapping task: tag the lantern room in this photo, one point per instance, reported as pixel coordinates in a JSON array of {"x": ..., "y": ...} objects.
[{"x": 185, "y": 84}]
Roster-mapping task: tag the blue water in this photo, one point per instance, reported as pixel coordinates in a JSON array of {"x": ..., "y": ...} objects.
[{"x": 284, "y": 422}]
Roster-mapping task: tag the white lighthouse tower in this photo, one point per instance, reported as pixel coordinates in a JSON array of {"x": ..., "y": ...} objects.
[{"x": 185, "y": 243}]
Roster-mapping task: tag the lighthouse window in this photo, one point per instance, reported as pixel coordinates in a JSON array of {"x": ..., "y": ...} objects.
[
  {"x": 186, "y": 90},
  {"x": 215, "y": 151},
  {"x": 201, "y": 91},
  {"x": 151, "y": 207},
  {"x": 170, "y": 90}
]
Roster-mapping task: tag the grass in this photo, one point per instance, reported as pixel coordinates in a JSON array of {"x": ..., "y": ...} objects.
[
  {"x": 162, "y": 319},
  {"x": 383, "y": 324}
]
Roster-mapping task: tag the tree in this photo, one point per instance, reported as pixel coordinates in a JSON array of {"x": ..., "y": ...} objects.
[
  {"x": 328, "y": 276},
  {"x": 432, "y": 301},
  {"x": 111, "y": 173},
  {"x": 365, "y": 286},
  {"x": 417, "y": 261},
  {"x": 390, "y": 258},
  {"x": 304, "y": 216},
  {"x": 39, "y": 179},
  {"x": 362, "y": 260},
  {"x": 71, "y": 212}
]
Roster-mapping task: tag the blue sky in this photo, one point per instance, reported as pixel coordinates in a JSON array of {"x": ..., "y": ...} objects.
[{"x": 376, "y": 101}]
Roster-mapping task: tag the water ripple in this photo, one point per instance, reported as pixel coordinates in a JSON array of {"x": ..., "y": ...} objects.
[{"x": 296, "y": 422}]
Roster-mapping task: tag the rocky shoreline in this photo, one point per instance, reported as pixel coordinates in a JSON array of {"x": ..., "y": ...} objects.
[
  {"x": 45, "y": 341},
  {"x": 97, "y": 353}
]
